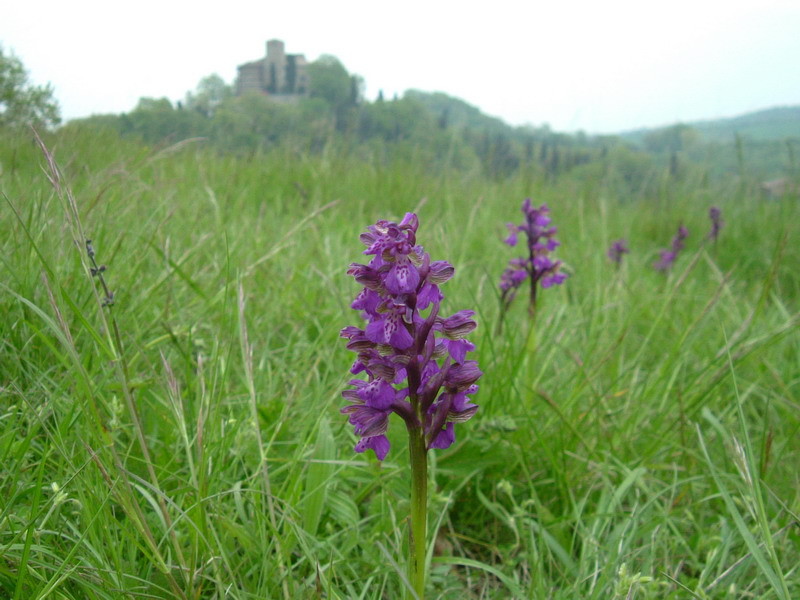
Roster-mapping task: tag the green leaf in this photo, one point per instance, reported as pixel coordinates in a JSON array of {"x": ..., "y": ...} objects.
[
  {"x": 511, "y": 585},
  {"x": 320, "y": 471}
]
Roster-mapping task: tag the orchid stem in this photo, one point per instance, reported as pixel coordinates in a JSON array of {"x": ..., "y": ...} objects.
[{"x": 419, "y": 512}]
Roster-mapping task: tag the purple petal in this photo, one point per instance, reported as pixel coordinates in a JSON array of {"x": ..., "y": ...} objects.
[
  {"x": 543, "y": 263},
  {"x": 377, "y": 394},
  {"x": 511, "y": 240},
  {"x": 410, "y": 221},
  {"x": 458, "y": 325},
  {"x": 375, "y": 330},
  {"x": 365, "y": 275},
  {"x": 429, "y": 293},
  {"x": 461, "y": 409},
  {"x": 396, "y": 333},
  {"x": 389, "y": 329},
  {"x": 518, "y": 276},
  {"x": 554, "y": 279},
  {"x": 403, "y": 277},
  {"x": 463, "y": 375},
  {"x": 378, "y": 444},
  {"x": 367, "y": 421},
  {"x": 440, "y": 272},
  {"x": 367, "y": 300},
  {"x": 383, "y": 367},
  {"x": 458, "y": 349},
  {"x": 358, "y": 367},
  {"x": 351, "y": 395},
  {"x": 445, "y": 438}
]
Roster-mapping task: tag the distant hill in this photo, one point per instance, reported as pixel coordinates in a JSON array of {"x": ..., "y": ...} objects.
[
  {"x": 772, "y": 124},
  {"x": 458, "y": 113},
  {"x": 455, "y": 113}
]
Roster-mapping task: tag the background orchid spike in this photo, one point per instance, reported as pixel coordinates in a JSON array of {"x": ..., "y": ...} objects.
[
  {"x": 538, "y": 266},
  {"x": 668, "y": 256},
  {"x": 715, "y": 214},
  {"x": 415, "y": 363},
  {"x": 617, "y": 249}
]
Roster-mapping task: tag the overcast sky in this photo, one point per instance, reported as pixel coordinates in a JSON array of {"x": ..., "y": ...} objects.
[{"x": 597, "y": 66}]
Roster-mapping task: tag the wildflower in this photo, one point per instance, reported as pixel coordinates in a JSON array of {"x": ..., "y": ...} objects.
[
  {"x": 414, "y": 360},
  {"x": 617, "y": 249},
  {"x": 513, "y": 277},
  {"x": 415, "y": 363},
  {"x": 668, "y": 256},
  {"x": 538, "y": 266},
  {"x": 715, "y": 214}
]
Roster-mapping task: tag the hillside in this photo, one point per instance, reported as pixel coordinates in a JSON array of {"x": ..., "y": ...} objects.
[
  {"x": 772, "y": 124},
  {"x": 458, "y": 113},
  {"x": 452, "y": 133},
  {"x": 765, "y": 125}
]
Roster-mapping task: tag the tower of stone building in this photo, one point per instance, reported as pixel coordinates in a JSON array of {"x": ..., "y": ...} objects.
[
  {"x": 275, "y": 67},
  {"x": 276, "y": 48},
  {"x": 281, "y": 76}
]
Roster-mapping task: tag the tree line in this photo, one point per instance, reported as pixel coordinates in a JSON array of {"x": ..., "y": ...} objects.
[{"x": 435, "y": 128}]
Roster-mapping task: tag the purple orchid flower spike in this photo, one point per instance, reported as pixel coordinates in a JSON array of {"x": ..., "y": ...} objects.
[
  {"x": 414, "y": 359},
  {"x": 665, "y": 261},
  {"x": 667, "y": 257},
  {"x": 715, "y": 214},
  {"x": 617, "y": 249},
  {"x": 539, "y": 267},
  {"x": 409, "y": 357}
]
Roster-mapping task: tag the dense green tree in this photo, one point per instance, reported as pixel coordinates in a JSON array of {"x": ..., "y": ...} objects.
[
  {"x": 211, "y": 91},
  {"x": 330, "y": 81},
  {"x": 22, "y": 103},
  {"x": 356, "y": 90},
  {"x": 393, "y": 121},
  {"x": 671, "y": 139},
  {"x": 156, "y": 120},
  {"x": 254, "y": 120},
  {"x": 445, "y": 130}
]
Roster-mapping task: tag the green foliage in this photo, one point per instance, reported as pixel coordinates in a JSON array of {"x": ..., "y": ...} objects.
[
  {"x": 157, "y": 118},
  {"x": 640, "y": 442},
  {"x": 394, "y": 121},
  {"x": 446, "y": 131},
  {"x": 21, "y": 102},
  {"x": 211, "y": 92},
  {"x": 458, "y": 113},
  {"x": 671, "y": 139},
  {"x": 774, "y": 124},
  {"x": 253, "y": 117},
  {"x": 762, "y": 142},
  {"x": 330, "y": 82}
]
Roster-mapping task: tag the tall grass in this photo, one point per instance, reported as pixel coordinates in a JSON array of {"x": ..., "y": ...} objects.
[{"x": 642, "y": 442}]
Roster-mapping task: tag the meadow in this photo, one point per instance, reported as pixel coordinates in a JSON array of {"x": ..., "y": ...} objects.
[{"x": 641, "y": 441}]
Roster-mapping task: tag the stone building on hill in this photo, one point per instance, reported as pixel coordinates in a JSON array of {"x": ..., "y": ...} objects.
[{"x": 281, "y": 76}]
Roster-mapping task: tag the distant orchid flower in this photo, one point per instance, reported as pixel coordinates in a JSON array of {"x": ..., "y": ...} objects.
[
  {"x": 668, "y": 256},
  {"x": 415, "y": 364},
  {"x": 538, "y": 266},
  {"x": 715, "y": 214},
  {"x": 617, "y": 249},
  {"x": 512, "y": 278}
]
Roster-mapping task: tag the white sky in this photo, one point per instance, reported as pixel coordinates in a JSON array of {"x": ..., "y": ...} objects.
[{"x": 599, "y": 66}]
